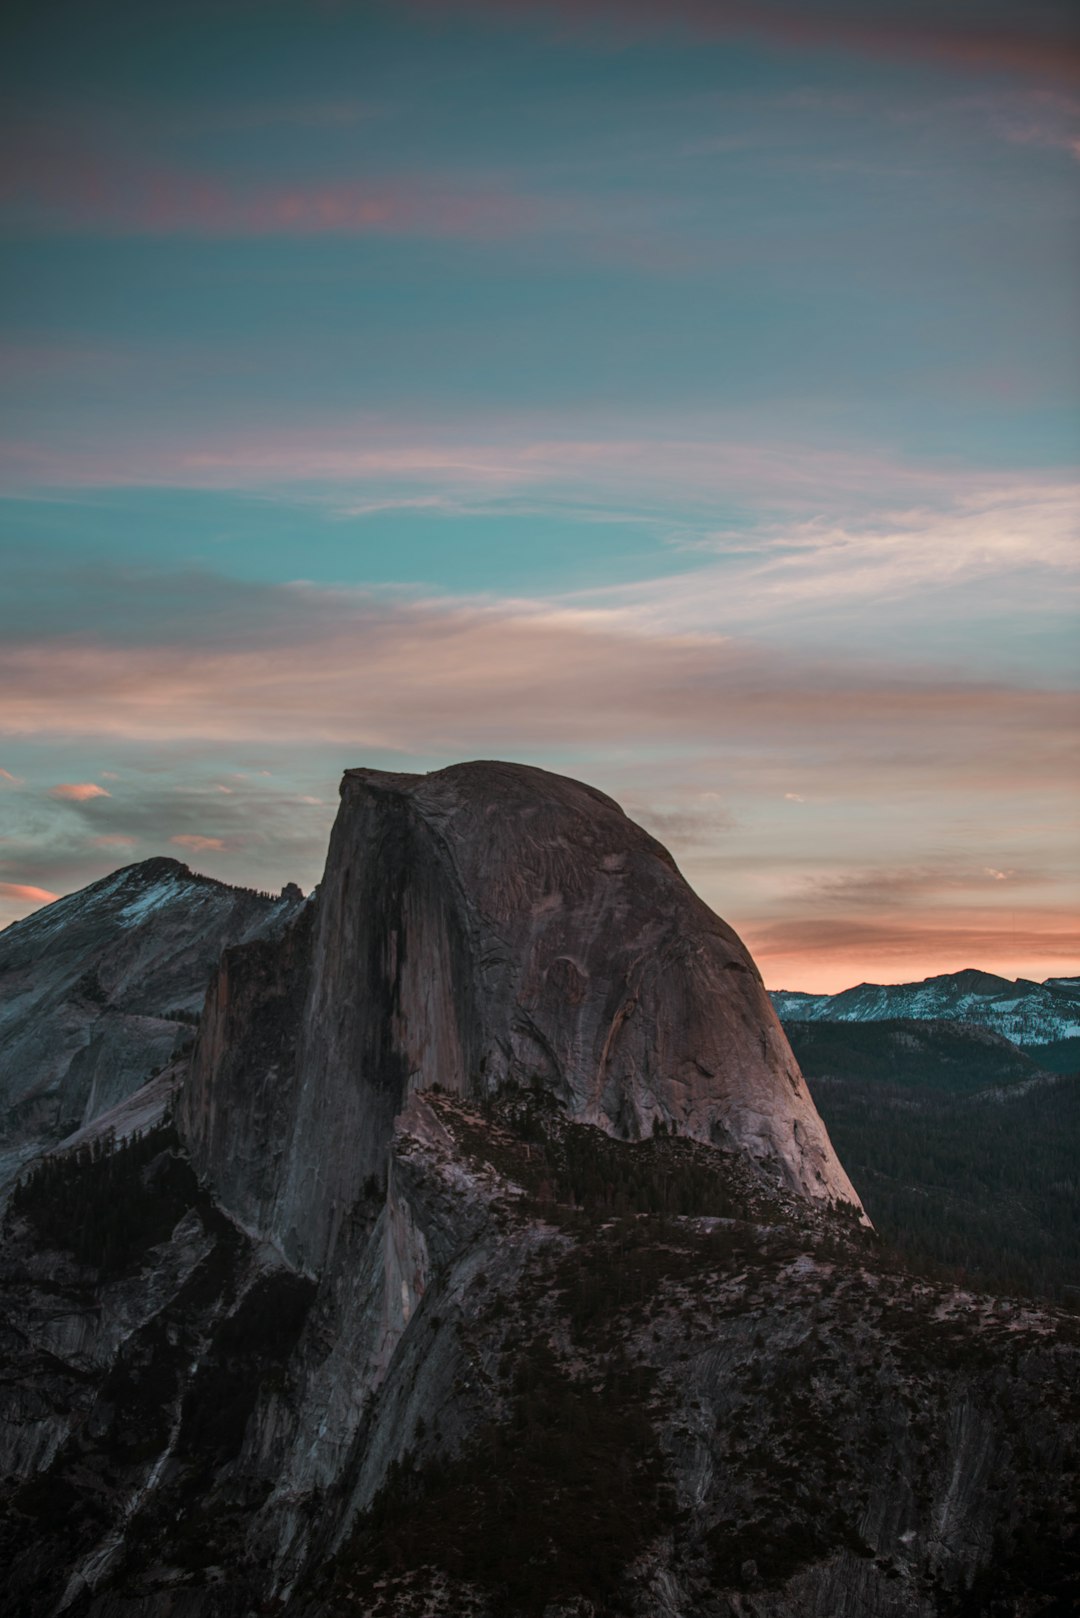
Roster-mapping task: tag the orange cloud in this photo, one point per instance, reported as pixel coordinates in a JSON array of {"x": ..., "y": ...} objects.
[
  {"x": 12, "y": 780},
  {"x": 78, "y": 791},
  {"x": 824, "y": 954},
  {"x": 197, "y": 844},
  {"x": 22, "y": 893}
]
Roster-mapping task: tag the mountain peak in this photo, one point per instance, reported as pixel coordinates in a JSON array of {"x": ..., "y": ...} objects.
[
  {"x": 510, "y": 927},
  {"x": 155, "y": 869}
]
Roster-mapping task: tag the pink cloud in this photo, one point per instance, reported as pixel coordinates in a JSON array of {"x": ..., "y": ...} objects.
[
  {"x": 197, "y": 844},
  {"x": 419, "y": 677},
  {"x": 22, "y": 893},
  {"x": 114, "y": 840},
  {"x": 12, "y": 780},
  {"x": 78, "y": 791},
  {"x": 678, "y": 473},
  {"x": 52, "y": 182}
]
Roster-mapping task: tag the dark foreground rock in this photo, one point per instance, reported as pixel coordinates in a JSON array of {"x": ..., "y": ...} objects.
[{"x": 561, "y": 1373}]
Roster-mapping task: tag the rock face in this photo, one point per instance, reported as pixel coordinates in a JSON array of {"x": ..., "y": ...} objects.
[
  {"x": 98, "y": 988},
  {"x": 484, "y": 924}
]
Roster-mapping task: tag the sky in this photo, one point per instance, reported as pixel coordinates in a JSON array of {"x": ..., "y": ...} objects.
[{"x": 682, "y": 396}]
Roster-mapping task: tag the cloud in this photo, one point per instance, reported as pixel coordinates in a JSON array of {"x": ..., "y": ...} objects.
[
  {"x": 114, "y": 840},
  {"x": 883, "y": 888},
  {"x": 21, "y": 893},
  {"x": 994, "y": 37},
  {"x": 825, "y": 569},
  {"x": 1034, "y": 117},
  {"x": 827, "y": 526},
  {"x": 12, "y": 780},
  {"x": 358, "y": 671},
  {"x": 701, "y": 819},
  {"x": 50, "y": 180},
  {"x": 198, "y": 844},
  {"x": 78, "y": 791}
]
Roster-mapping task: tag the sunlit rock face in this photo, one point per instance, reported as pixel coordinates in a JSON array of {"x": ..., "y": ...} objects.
[{"x": 482, "y": 924}]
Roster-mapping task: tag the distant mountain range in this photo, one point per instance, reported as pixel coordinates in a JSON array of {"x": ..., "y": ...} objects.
[{"x": 1045, "y": 1014}]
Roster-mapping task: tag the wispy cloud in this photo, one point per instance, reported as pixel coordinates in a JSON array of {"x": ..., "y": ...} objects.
[
  {"x": 51, "y": 181},
  {"x": 884, "y": 888},
  {"x": 78, "y": 791},
  {"x": 995, "y": 37},
  {"x": 1026, "y": 531},
  {"x": 418, "y": 676},
  {"x": 198, "y": 844},
  {"x": 25, "y": 895},
  {"x": 681, "y": 476}
]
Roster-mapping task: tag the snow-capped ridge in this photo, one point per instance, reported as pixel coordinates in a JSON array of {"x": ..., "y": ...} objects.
[
  {"x": 1023, "y": 1011},
  {"x": 152, "y": 883},
  {"x": 100, "y": 987}
]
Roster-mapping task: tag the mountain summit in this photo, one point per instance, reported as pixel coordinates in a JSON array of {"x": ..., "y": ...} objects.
[{"x": 483, "y": 925}]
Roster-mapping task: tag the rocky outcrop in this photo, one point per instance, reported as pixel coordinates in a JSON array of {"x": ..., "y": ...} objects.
[
  {"x": 98, "y": 989},
  {"x": 486, "y": 924}
]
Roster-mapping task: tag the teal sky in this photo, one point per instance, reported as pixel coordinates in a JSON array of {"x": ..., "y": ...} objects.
[{"x": 682, "y": 396}]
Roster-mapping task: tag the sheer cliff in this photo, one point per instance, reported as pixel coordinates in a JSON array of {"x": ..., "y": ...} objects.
[{"x": 484, "y": 924}]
